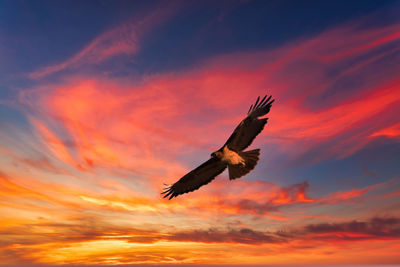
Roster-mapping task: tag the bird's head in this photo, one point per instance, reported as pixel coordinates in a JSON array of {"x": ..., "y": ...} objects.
[{"x": 216, "y": 154}]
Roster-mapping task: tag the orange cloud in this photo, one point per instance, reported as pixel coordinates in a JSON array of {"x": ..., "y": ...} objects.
[
  {"x": 294, "y": 193},
  {"x": 8, "y": 188}
]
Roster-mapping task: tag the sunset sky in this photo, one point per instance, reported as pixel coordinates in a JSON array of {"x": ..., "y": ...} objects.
[{"x": 102, "y": 102}]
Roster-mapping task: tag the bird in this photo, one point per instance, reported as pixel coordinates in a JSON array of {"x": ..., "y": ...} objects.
[{"x": 231, "y": 155}]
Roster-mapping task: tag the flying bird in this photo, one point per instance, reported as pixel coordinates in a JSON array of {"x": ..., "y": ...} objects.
[{"x": 230, "y": 155}]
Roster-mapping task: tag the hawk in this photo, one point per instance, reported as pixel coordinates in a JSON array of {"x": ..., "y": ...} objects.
[{"x": 230, "y": 155}]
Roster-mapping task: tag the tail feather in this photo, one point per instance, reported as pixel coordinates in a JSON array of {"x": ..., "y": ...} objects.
[{"x": 250, "y": 157}]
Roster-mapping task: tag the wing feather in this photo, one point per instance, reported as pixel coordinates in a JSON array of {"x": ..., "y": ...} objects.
[
  {"x": 198, "y": 177},
  {"x": 251, "y": 126}
]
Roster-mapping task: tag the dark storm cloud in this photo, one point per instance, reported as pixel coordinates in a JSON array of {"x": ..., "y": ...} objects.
[
  {"x": 242, "y": 236},
  {"x": 374, "y": 228}
]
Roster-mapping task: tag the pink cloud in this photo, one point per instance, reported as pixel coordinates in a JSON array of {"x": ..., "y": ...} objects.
[
  {"x": 346, "y": 196},
  {"x": 144, "y": 127},
  {"x": 392, "y": 131}
]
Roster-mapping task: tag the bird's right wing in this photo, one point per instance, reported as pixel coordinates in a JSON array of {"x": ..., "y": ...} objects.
[{"x": 202, "y": 175}]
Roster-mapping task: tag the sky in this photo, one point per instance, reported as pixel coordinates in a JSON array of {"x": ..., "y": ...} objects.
[{"x": 104, "y": 102}]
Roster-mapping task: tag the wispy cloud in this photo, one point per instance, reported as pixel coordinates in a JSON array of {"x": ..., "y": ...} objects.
[
  {"x": 122, "y": 40},
  {"x": 119, "y": 41}
]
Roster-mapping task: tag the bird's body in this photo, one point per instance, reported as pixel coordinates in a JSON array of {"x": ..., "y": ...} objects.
[{"x": 231, "y": 154}]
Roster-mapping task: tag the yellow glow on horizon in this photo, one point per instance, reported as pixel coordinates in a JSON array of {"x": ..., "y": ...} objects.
[
  {"x": 162, "y": 252},
  {"x": 118, "y": 204}
]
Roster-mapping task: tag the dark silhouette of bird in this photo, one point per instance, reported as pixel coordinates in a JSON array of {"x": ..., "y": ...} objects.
[{"x": 230, "y": 155}]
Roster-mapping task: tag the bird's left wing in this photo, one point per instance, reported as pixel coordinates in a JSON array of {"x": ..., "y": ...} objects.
[
  {"x": 202, "y": 175},
  {"x": 251, "y": 126}
]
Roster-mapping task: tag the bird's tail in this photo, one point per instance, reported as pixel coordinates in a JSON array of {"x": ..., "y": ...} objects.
[{"x": 250, "y": 161}]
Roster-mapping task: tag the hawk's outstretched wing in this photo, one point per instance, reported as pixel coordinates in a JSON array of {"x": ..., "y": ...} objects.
[
  {"x": 251, "y": 126},
  {"x": 202, "y": 175}
]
